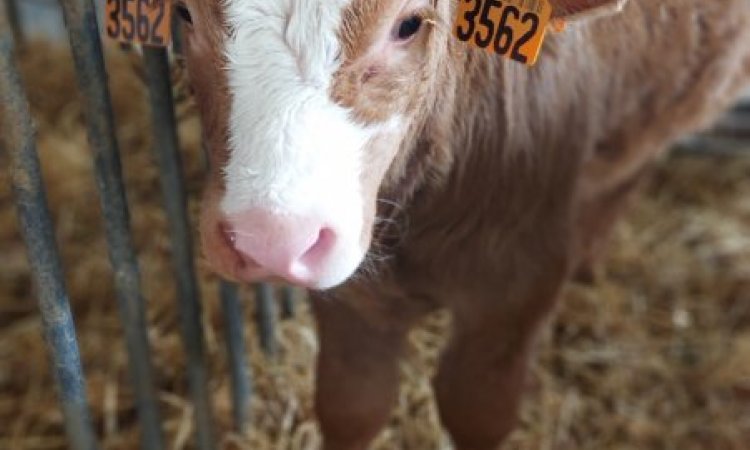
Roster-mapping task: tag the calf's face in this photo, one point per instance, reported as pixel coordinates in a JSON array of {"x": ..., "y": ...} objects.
[{"x": 305, "y": 105}]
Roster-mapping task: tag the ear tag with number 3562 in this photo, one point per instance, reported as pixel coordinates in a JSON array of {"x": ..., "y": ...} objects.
[
  {"x": 511, "y": 28},
  {"x": 145, "y": 22}
]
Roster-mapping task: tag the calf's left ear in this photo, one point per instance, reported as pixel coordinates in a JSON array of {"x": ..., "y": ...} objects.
[{"x": 585, "y": 9}]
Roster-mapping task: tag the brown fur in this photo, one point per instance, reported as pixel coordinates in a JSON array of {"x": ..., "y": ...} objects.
[
  {"x": 208, "y": 33},
  {"x": 508, "y": 179}
]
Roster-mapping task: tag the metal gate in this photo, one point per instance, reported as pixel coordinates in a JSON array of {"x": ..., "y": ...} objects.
[{"x": 37, "y": 230}]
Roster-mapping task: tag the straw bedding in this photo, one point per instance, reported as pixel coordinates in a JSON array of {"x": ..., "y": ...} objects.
[{"x": 654, "y": 354}]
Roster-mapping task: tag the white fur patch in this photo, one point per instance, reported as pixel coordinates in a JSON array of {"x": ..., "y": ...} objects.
[{"x": 292, "y": 150}]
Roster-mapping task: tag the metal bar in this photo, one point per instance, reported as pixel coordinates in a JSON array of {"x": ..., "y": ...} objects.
[
  {"x": 735, "y": 124},
  {"x": 239, "y": 367},
  {"x": 265, "y": 316},
  {"x": 14, "y": 19},
  {"x": 80, "y": 18},
  {"x": 166, "y": 150},
  {"x": 287, "y": 303},
  {"x": 37, "y": 229},
  {"x": 176, "y": 34},
  {"x": 713, "y": 146}
]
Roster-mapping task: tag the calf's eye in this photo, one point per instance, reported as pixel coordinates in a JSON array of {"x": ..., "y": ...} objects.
[
  {"x": 184, "y": 12},
  {"x": 409, "y": 27}
]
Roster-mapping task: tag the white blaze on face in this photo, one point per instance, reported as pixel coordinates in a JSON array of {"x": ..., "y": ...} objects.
[
  {"x": 291, "y": 149},
  {"x": 288, "y": 142}
]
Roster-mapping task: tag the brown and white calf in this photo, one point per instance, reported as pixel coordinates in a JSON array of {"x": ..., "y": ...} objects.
[{"x": 360, "y": 150}]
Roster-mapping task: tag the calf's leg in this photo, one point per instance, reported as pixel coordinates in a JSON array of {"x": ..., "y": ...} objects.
[
  {"x": 482, "y": 371},
  {"x": 357, "y": 374}
]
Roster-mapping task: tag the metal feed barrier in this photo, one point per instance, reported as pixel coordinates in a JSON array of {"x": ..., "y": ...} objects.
[
  {"x": 733, "y": 134},
  {"x": 37, "y": 230}
]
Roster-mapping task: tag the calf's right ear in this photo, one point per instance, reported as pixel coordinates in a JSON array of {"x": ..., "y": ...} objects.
[{"x": 585, "y": 9}]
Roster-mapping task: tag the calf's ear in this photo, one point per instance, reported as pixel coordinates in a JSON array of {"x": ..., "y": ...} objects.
[{"x": 585, "y": 9}]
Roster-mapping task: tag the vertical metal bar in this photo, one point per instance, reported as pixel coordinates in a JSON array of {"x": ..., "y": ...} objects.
[
  {"x": 176, "y": 34},
  {"x": 166, "y": 150},
  {"x": 287, "y": 302},
  {"x": 239, "y": 367},
  {"x": 36, "y": 226},
  {"x": 14, "y": 19},
  {"x": 265, "y": 311},
  {"x": 80, "y": 18}
]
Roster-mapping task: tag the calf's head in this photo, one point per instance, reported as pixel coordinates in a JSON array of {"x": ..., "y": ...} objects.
[
  {"x": 305, "y": 106},
  {"x": 305, "y": 103}
]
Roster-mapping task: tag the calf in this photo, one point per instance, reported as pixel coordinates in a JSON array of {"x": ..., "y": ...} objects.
[{"x": 359, "y": 149}]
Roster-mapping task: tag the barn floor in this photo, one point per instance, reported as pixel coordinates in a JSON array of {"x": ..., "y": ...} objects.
[{"x": 655, "y": 354}]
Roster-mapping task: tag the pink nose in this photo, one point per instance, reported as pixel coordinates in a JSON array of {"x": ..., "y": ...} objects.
[{"x": 287, "y": 246}]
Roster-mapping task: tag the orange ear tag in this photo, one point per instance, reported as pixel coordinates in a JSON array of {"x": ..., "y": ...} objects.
[
  {"x": 512, "y": 28},
  {"x": 145, "y": 22}
]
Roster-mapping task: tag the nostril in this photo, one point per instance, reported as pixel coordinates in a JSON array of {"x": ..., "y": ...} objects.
[
  {"x": 320, "y": 248},
  {"x": 230, "y": 236}
]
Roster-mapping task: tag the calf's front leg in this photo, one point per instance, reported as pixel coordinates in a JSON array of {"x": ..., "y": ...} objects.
[
  {"x": 482, "y": 372},
  {"x": 357, "y": 373}
]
